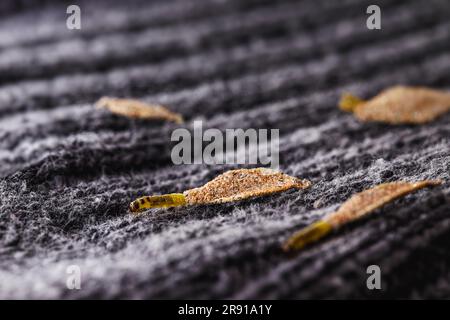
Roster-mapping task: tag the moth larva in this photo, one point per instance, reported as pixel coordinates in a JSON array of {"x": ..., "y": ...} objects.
[
  {"x": 399, "y": 105},
  {"x": 357, "y": 206},
  {"x": 233, "y": 185},
  {"x": 139, "y": 110}
]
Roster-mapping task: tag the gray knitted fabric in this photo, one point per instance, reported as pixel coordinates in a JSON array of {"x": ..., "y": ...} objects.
[{"x": 68, "y": 171}]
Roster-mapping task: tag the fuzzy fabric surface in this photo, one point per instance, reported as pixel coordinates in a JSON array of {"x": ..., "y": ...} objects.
[{"x": 68, "y": 171}]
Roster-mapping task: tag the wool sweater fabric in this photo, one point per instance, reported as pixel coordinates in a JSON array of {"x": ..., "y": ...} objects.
[{"x": 68, "y": 171}]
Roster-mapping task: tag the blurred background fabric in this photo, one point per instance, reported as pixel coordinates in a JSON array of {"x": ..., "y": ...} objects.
[{"x": 68, "y": 170}]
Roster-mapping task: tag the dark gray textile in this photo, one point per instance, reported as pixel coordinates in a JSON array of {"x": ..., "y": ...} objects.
[{"x": 68, "y": 171}]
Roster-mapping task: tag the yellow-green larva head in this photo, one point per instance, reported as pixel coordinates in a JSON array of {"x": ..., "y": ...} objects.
[{"x": 162, "y": 201}]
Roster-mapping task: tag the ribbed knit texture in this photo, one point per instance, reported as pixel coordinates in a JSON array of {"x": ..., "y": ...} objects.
[{"x": 68, "y": 171}]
